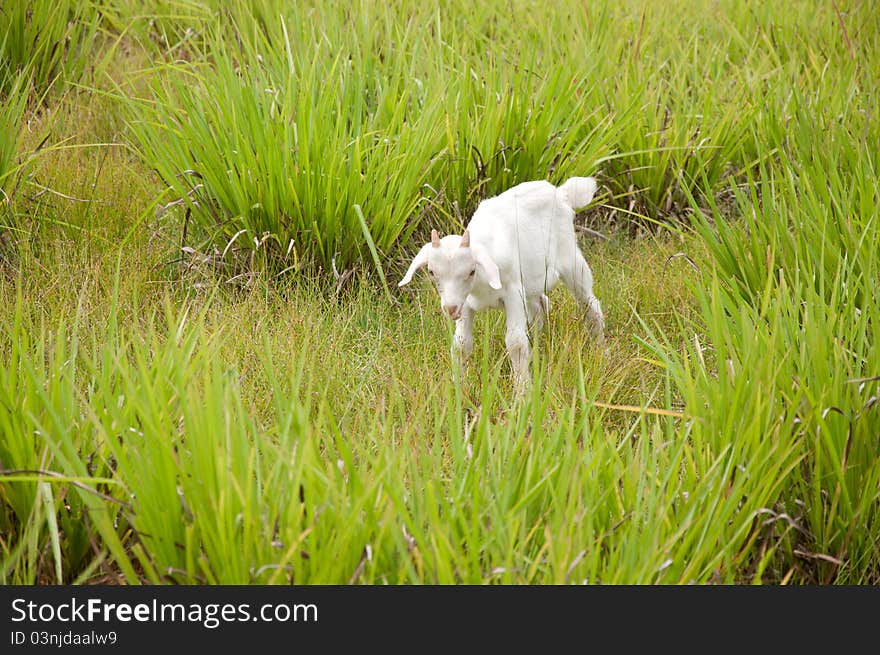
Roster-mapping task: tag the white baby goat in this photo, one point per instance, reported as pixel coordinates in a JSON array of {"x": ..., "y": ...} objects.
[{"x": 514, "y": 251}]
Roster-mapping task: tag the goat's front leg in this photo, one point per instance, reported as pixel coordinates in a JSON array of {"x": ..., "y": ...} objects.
[
  {"x": 517, "y": 342},
  {"x": 463, "y": 340}
]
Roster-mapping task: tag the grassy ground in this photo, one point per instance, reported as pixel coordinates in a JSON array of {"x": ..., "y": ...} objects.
[{"x": 186, "y": 399}]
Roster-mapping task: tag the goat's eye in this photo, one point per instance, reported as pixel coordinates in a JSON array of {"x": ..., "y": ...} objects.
[
  {"x": 471, "y": 274},
  {"x": 432, "y": 273}
]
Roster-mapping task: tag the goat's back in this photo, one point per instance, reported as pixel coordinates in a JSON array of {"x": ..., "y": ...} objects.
[
  {"x": 530, "y": 210},
  {"x": 528, "y": 229},
  {"x": 528, "y": 201}
]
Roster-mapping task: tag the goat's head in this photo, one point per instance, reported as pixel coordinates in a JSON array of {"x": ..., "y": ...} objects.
[{"x": 454, "y": 264}]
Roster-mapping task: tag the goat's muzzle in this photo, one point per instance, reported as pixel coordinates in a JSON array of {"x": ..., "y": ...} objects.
[{"x": 454, "y": 311}]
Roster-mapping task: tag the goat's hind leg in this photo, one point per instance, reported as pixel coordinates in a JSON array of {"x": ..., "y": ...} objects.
[
  {"x": 579, "y": 279},
  {"x": 537, "y": 316}
]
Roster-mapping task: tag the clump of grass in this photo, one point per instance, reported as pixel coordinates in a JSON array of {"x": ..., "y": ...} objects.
[
  {"x": 312, "y": 126},
  {"x": 796, "y": 375},
  {"x": 275, "y": 169},
  {"x": 14, "y": 167},
  {"x": 11, "y": 115},
  {"x": 788, "y": 342},
  {"x": 813, "y": 224},
  {"x": 47, "y": 39}
]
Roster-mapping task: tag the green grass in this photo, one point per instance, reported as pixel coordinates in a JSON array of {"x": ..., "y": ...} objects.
[
  {"x": 192, "y": 393},
  {"x": 11, "y": 170},
  {"x": 50, "y": 40}
]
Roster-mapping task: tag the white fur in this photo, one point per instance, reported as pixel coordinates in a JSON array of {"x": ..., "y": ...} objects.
[{"x": 515, "y": 250}]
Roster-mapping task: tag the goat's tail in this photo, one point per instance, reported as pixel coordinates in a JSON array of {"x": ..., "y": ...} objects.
[{"x": 577, "y": 191}]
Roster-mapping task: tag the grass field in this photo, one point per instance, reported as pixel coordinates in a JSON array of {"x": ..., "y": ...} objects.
[{"x": 209, "y": 375}]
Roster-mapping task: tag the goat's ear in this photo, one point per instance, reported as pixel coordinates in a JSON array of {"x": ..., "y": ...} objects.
[
  {"x": 418, "y": 261},
  {"x": 488, "y": 265}
]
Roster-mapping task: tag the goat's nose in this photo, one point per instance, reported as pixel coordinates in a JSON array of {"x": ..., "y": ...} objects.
[{"x": 452, "y": 310}]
